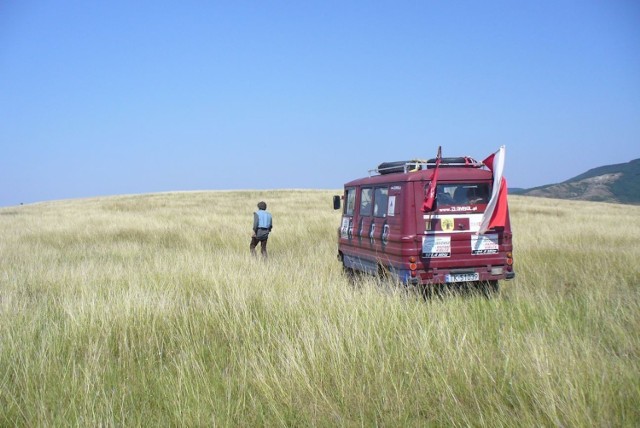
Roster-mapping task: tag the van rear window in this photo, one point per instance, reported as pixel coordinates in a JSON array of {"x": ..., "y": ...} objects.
[{"x": 462, "y": 194}]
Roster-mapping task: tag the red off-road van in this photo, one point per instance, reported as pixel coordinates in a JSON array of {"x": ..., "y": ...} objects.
[{"x": 385, "y": 230}]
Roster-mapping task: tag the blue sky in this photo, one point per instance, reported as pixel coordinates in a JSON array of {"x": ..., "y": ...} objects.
[{"x": 124, "y": 97}]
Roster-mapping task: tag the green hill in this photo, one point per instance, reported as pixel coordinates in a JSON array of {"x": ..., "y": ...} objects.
[{"x": 619, "y": 183}]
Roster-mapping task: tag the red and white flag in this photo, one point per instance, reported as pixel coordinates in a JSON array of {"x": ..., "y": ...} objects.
[
  {"x": 430, "y": 194},
  {"x": 495, "y": 215}
]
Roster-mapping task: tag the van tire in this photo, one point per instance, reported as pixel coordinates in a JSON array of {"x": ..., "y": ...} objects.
[
  {"x": 349, "y": 272},
  {"x": 383, "y": 272}
]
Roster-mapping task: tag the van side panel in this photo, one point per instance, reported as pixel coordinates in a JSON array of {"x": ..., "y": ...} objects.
[
  {"x": 391, "y": 245},
  {"x": 375, "y": 242}
]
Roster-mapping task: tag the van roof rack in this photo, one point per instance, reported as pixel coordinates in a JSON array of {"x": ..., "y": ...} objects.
[{"x": 417, "y": 165}]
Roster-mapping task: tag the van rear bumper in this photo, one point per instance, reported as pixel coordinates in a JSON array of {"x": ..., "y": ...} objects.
[
  {"x": 422, "y": 277},
  {"x": 444, "y": 276}
]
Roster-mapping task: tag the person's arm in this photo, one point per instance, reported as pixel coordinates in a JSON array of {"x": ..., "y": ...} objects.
[{"x": 255, "y": 222}]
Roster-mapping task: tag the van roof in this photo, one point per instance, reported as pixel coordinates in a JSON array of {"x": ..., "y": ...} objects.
[{"x": 444, "y": 174}]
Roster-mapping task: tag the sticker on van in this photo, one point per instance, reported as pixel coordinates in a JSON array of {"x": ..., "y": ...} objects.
[
  {"x": 436, "y": 246},
  {"x": 391, "y": 209},
  {"x": 484, "y": 244},
  {"x": 447, "y": 223},
  {"x": 345, "y": 227}
]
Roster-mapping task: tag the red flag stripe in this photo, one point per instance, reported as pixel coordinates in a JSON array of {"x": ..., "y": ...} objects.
[
  {"x": 499, "y": 216},
  {"x": 430, "y": 194}
]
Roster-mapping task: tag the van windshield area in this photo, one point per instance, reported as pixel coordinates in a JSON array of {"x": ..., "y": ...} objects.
[{"x": 462, "y": 195}]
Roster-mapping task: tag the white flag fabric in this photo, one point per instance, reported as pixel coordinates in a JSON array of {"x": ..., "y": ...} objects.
[{"x": 495, "y": 162}]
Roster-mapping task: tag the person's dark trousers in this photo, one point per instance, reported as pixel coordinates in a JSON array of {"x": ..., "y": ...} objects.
[{"x": 263, "y": 246}]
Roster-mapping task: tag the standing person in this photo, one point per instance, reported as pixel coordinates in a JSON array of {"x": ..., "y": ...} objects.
[{"x": 262, "y": 225}]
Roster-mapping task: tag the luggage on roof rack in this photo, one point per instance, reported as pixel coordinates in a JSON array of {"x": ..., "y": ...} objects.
[
  {"x": 416, "y": 165},
  {"x": 461, "y": 161},
  {"x": 392, "y": 167}
]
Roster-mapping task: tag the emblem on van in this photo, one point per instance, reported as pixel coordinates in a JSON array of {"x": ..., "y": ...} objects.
[{"x": 446, "y": 223}]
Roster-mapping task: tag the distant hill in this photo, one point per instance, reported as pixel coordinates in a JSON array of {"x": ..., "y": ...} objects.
[{"x": 618, "y": 183}]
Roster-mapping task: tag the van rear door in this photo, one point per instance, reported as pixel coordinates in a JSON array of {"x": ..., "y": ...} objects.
[{"x": 450, "y": 243}]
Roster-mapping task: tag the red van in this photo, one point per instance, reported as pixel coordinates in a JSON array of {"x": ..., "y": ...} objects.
[{"x": 387, "y": 229}]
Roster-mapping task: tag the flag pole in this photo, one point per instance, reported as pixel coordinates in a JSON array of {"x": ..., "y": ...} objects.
[{"x": 432, "y": 190}]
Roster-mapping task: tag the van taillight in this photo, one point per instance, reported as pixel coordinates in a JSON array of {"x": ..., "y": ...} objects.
[
  {"x": 509, "y": 259},
  {"x": 413, "y": 266}
]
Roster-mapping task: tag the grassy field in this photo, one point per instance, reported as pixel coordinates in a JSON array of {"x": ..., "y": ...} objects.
[{"x": 147, "y": 310}]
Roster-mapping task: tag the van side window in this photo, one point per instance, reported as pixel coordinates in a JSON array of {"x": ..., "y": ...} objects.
[
  {"x": 381, "y": 200},
  {"x": 351, "y": 201},
  {"x": 365, "y": 201}
]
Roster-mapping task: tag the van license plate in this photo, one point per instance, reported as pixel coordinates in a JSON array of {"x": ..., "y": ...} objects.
[{"x": 462, "y": 277}]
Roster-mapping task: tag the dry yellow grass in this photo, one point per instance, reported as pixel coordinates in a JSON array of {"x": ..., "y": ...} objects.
[{"x": 148, "y": 310}]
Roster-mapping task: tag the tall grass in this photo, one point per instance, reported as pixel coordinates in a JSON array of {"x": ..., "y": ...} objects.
[{"x": 148, "y": 310}]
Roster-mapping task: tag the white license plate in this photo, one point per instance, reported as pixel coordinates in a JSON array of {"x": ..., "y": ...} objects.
[{"x": 462, "y": 277}]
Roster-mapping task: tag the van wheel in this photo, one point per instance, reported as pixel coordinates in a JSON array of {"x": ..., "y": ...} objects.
[
  {"x": 350, "y": 273},
  {"x": 347, "y": 271},
  {"x": 489, "y": 288},
  {"x": 383, "y": 273}
]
